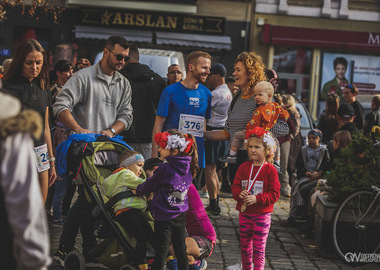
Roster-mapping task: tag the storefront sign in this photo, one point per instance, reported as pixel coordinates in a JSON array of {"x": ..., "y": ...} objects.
[
  {"x": 321, "y": 38},
  {"x": 365, "y": 73},
  {"x": 153, "y": 21}
]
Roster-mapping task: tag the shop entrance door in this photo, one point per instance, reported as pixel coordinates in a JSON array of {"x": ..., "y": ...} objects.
[{"x": 295, "y": 84}]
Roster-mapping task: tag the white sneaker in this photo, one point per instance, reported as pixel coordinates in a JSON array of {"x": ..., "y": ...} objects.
[
  {"x": 203, "y": 194},
  {"x": 236, "y": 266}
]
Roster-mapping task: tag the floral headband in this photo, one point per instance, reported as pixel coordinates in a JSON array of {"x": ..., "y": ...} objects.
[
  {"x": 168, "y": 141},
  {"x": 267, "y": 139}
]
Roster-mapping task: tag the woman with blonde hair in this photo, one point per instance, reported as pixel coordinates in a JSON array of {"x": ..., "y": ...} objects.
[
  {"x": 249, "y": 70},
  {"x": 28, "y": 79}
]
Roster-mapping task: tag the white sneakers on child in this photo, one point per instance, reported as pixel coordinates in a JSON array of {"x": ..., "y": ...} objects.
[{"x": 236, "y": 266}]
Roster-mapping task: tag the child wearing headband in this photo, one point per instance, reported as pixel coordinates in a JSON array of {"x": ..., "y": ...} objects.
[
  {"x": 256, "y": 188},
  {"x": 128, "y": 210},
  {"x": 170, "y": 183}
]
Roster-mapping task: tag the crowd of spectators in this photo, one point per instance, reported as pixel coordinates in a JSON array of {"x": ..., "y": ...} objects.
[{"x": 121, "y": 96}]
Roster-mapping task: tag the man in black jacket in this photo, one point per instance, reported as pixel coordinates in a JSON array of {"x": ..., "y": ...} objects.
[
  {"x": 346, "y": 117},
  {"x": 146, "y": 87},
  {"x": 373, "y": 118}
]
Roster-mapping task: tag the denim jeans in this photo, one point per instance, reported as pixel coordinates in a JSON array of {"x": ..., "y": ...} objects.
[{"x": 59, "y": 193}]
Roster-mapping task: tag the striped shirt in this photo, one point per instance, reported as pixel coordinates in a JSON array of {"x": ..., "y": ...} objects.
[{"x": 240, "y": 115}]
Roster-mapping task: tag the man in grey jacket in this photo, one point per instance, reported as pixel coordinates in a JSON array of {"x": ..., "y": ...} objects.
[{"x": 96, "y": 99}]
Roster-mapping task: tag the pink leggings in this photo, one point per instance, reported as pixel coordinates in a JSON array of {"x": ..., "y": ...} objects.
[{"x": 254, "y": 229}]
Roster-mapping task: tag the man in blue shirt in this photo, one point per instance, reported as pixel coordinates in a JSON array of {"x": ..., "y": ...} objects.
[{"x": 186, "y": 105}]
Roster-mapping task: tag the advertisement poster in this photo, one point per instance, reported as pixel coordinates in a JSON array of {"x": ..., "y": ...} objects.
[{"x": 363, "y": 71}]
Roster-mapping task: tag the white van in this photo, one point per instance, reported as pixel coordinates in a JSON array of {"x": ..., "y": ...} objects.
[
  {"x": 157, "y": 60},
  {"x": 160, "y": 60}
]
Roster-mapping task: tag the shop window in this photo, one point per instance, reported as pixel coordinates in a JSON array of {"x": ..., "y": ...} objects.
[
  {"x": 363, "y": 5},
  {"x": 293, "y": 68}
]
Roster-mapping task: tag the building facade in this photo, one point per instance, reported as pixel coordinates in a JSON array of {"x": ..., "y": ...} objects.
[
  {"x": 302, "y": 38},
  {"x": 219, "y": 27}
]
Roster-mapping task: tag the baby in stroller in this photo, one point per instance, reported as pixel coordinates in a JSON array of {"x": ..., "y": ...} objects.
[{"x": 128, "y": 211}]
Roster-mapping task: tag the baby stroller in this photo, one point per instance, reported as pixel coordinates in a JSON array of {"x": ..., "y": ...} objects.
[{"x": 91, "y": 158}]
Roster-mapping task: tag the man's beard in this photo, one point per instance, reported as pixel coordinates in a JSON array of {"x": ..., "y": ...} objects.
[{"x": 113, "y": 66}]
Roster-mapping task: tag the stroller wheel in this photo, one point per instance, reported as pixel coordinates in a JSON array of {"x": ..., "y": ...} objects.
[
  {"x": 127, "y": 267},
  {"x": 75, "y": 261}
]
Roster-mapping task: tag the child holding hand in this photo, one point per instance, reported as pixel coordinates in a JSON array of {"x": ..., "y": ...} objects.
[
  {"x": 265, "y": 116},
  {"x": 256, "y": 188},
  {"x": 170, "y": 183},
  {"x": 128, "y": 211}
]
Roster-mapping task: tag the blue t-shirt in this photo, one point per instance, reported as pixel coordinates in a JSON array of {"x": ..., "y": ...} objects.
[{"x": 176, "y": 99}]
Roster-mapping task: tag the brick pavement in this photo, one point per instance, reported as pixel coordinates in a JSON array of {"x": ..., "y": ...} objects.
[{"x": 286, "y": 248}]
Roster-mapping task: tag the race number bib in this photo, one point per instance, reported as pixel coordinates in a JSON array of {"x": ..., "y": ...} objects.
[
  {"x": 192, "y": 124},
  {"x": 42, "y": 158},
  {"x": 257, "y": 188}
]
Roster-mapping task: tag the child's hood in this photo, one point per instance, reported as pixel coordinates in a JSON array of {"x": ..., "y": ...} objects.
[{"x": 180, "y": 164}]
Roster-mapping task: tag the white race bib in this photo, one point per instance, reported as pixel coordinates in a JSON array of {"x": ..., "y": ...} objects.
[
  {"x": 192, "y": 124},
  {"x": 257, "y": 187},
  {"x": 42, "y": 158}
]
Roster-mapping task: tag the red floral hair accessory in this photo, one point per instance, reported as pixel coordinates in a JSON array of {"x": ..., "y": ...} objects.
[
  {"x": 189, "y": 144},
  {"x": 257, "y": 131},
  {"x": 161, "y": 139}
]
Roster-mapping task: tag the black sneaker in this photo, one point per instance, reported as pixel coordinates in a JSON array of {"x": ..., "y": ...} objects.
[
  {"x": 59, "y": 257},
  {"x": 228, "y": 159},
  {"x": 213, "y": 212}
]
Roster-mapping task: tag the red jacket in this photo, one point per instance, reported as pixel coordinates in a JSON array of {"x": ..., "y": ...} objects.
[{"x": 271, "y": 187}]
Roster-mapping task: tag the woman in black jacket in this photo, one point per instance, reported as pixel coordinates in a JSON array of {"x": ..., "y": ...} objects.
[{"x": 27, "y": 79}]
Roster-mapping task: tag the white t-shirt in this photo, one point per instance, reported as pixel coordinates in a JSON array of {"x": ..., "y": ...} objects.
[{"x": 221, "y": 100}]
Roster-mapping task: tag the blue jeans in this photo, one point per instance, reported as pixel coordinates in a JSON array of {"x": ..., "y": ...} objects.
[{"x": 59, "y": 193}]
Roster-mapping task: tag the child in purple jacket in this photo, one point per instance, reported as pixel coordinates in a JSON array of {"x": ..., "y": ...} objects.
[{"x": 170, "y": 183}]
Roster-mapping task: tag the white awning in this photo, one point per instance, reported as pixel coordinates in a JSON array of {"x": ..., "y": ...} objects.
[
  {"x": 196, "y": 40},
  {"x": 82, "y": 31}
]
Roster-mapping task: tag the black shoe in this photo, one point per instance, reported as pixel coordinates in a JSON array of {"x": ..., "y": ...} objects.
[
  {"x": 59, "y": 257},
  {"x": 291, "y": 222},
  {"x": 300, "y": 212},
  {"x": 225, "y": 188},
  {"x": 213, "y": 212},
  {"x": 228, "y": 159}
]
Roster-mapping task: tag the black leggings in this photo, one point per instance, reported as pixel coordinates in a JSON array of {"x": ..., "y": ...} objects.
[
  {"x": 174, "y": 230},
  {"x": 138, "y": 227}
]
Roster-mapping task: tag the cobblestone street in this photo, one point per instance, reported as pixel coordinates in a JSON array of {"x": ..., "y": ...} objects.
[{"x": 286, "y": 247}]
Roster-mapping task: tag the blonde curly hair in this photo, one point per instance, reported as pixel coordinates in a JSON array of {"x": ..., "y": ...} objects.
[{"x": 254, "y": 66}]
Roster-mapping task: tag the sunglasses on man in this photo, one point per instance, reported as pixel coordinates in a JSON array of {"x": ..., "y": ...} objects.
[{"x": 120, "y": 57}]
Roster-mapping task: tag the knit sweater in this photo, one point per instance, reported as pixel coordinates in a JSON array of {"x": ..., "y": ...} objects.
[{"x": 271, "y": 187}]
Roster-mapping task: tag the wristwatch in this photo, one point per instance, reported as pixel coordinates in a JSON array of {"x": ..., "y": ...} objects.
[{"x": 113, "y": 131}]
